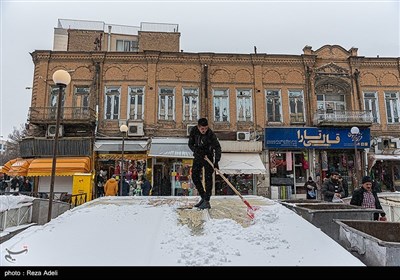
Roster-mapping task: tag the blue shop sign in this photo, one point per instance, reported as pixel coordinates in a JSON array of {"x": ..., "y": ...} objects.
[{"x": 314, "y": 138}]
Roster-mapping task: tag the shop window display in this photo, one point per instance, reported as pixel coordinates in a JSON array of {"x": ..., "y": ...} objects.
[
  {"x": 181, "y": 179},
  {"x": 243, "y": 183},
  {"x": 289, "y": 170}
]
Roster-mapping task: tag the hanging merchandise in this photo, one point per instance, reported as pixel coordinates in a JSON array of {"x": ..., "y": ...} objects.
[
  {"x": 304, "y": 161},
  {"x": 324, "y": 161},
  {"x": 272, "y": 162},
  {"x": 289, "y": 161},
  {"x": 117, "y": 169},
  {"x": 344, "y": 160}
]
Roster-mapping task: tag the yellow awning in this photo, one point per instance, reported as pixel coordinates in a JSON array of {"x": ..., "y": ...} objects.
[
  {"x": 19, "y": 167},
  {"x": 65, "y": 166},
  {"x": 7, "y": 166}
]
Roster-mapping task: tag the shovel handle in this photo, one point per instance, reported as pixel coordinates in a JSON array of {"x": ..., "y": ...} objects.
[{"x": 225, "y": 179}]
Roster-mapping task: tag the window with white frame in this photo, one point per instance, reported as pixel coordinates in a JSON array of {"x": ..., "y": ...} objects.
[
  {"x": 111, "y": 107},
  {"x": 244, "y": 105},
  {"x": 274, "y": 105},
  {"x": 221, "y": 105},
  {"x": 336, "y": 102},
  {"x": 296, "y": 106},
  {"x": 81, "y": 101},
  {"x": 166, "y": 104},
  {"x": 127, "y": 46},
  {"x": 54, "y": 91},
  {"x": 371, "y": 104},
  {"x": 392, "y": 107},
  {"x": 136, "y": 103},
  {"x": 190, "y": 104}
]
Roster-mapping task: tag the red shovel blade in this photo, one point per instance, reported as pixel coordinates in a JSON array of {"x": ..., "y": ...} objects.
[
  {"x": 250, "y": 209},
  {"x": 250, "y": 213}
]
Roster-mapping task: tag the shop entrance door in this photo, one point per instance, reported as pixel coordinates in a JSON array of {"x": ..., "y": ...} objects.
[
  {"x": 158, "y": 175},
  {"x": 300, "y": 175}
]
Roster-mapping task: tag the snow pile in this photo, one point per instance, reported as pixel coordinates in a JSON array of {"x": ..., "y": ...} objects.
[{"x": 13, "y": 201}]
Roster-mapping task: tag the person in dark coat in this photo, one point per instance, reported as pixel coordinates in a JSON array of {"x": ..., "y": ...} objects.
[
  {"x": 345, "y": 186},
  {"x": 125, "y": 187},
  {"x": 332, "y": 188},
  {"x": 366, "y": 197},
  {"x": 203, "y": 142},
  {"x": 26, "y": 186},
  {"x": 311, "y": 188},
  {"x": 146, "y": 186},
  {"x": 15, "y": 183},
  {"x": 100, "y": 184}
]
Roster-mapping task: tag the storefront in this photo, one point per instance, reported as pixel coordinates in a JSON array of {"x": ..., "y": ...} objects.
[
  {"x": 385, "y": 170},
  {"x": 294, "y": 154},
  {"x": 172, "y": 162},
  {"x": 16, "y": 168},
  {"x": 241, "y": 169},
  {"x": 108, "y": 155},
  {"x": 242, "y": 165},
  {"x": 66, "y": 168}
]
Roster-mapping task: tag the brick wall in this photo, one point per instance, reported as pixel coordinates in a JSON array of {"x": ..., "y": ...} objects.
[
  {"x": 82, "y": 40},
  {"x": 159, "y": 41}
]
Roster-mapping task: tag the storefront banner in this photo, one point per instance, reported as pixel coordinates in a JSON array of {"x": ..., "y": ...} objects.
[{"x": 314, "y": 138}]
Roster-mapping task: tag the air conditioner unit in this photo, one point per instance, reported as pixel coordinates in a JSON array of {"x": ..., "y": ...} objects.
[
  {"x": 243, "y": 136},
  {"x": 397, "y": 142},
  {"x": 189, "y": 128},
  {"x": 386, "y": 144},
  {"x": 51, "y": 130},
  {"x": 135, "y": 129}
]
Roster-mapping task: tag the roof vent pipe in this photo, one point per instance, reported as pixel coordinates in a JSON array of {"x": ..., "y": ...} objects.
[{"x": 109, "y": 38}]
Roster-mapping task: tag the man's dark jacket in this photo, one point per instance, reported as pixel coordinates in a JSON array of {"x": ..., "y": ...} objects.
[
  {"x": 357, "y": 199},
  {"x": 204, "y": 144}
]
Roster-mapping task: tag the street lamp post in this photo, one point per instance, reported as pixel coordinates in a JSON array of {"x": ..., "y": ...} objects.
[
  {"x": 355, "y": 136},
  {"x": 124, "y": 129},
  {"x": 61, "y": 78}
]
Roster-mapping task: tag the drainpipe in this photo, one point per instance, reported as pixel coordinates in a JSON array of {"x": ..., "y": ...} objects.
[
  {"x": 357, "y": 80},
  {"x": 205, "y": 68}
]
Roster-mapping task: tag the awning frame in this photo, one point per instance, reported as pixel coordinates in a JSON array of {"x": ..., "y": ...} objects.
[
  {"x": 242, "y": 163},
  {"x": 170, "y": 148},
  {"x": 372, "y": 159}
]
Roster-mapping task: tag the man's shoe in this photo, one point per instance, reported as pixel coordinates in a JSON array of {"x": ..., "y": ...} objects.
[
  {"x": 205, "y": 205},
  {"x": 199, "y": 203}
]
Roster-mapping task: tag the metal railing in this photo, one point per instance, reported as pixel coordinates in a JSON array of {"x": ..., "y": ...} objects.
[
  {"x": 334, "y": 117},
  {"x": 16, "y": 216},
  {"x": 72, "y": 199},
  {"x": 44, "y": 114}
]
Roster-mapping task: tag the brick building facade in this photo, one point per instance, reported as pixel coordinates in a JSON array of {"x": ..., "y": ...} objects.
[{"x": 160, "y": 92}]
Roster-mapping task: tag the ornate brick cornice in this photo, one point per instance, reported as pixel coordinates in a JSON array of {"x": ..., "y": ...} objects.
[{"x": 381, "y": 63}]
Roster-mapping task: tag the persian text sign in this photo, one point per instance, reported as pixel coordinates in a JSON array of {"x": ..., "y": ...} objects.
[{"x": 314, "y": 138}]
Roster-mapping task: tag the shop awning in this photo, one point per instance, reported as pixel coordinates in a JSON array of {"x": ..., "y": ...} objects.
[
  {"x": 65, "y": 166},
  {"x": 19, "y": 167},
  {"x": 241, "y": 163},
  {"x": 116, "y": 146},
  {"x": 170, "y": 148},
  {"x": 8, "y": 165},
  {"x": 373, "y": 158}
]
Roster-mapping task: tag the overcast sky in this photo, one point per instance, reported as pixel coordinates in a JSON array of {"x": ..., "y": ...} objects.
[{"x": 275, "y": 27}]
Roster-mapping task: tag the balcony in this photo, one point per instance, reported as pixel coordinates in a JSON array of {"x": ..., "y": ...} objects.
[
  {"x": 41, "y": 147},
  {"x": 72, "y": 115},
  {"x": 343, "y": 118}
]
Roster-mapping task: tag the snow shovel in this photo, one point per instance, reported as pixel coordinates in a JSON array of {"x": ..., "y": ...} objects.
[{"x": 250, "y": 209}]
